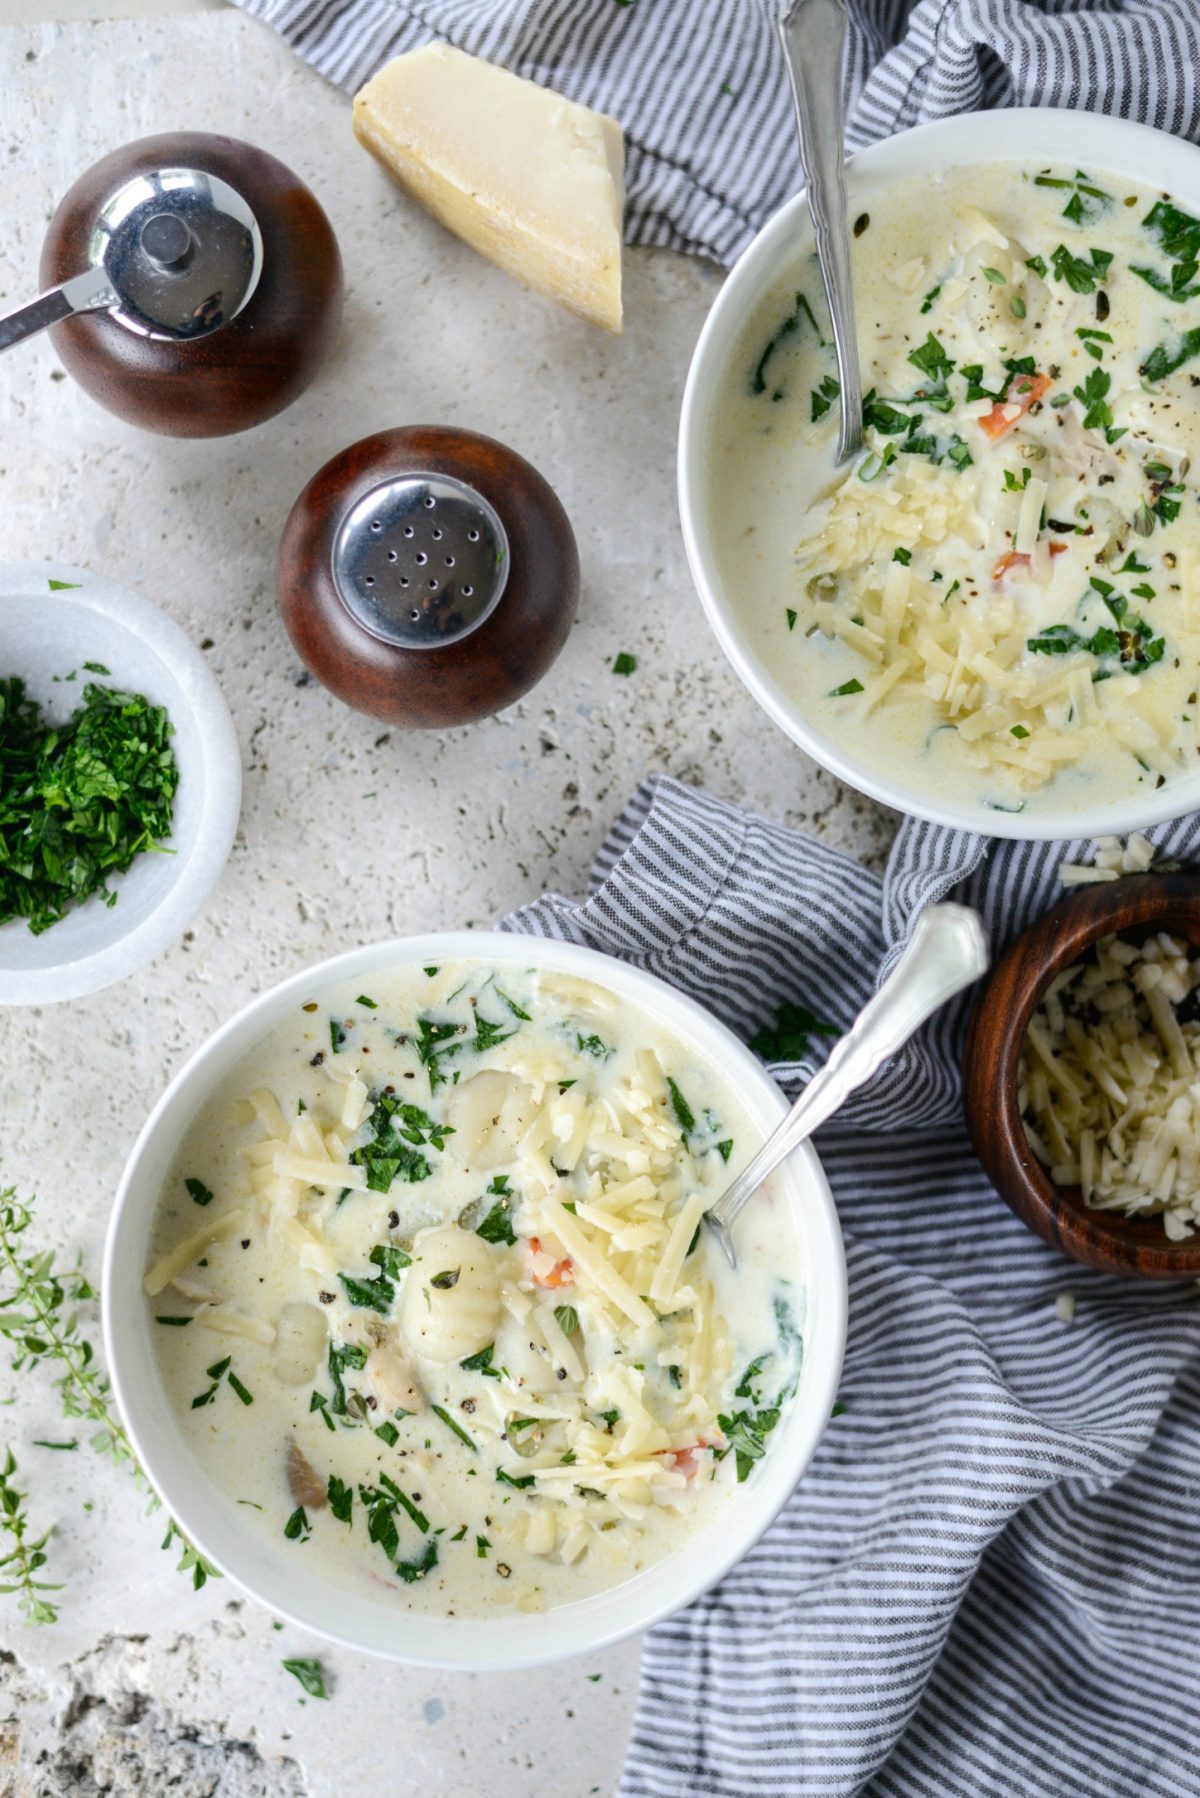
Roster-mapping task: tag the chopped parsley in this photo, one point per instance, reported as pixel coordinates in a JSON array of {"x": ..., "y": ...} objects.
[
  {"x": 514, "y": 1007},
  {"x": 624, "y": 663},
  {"x": 425, "y": 1562},
  {"x": 932, "y": 360},
  {"x": 311, "y": 1675},
  {"x": 1087, "y": 201},
  {"x": 78, "y": 802},
  {"x": 823, "y": 395},
  {"x": 199, "y": 1191},
  {"x": 1082, "y": 275},
  {"x": 375, "y": 1294},
  {"x": 496, "y": 1226},
  {"x": 522, "y": 1482},
  {"x": 342, "y": 1356},
  {"x": 1093, "y": 397},
  {"x": 488, "y": 1035},
  {"x": 433, "y": 1048},
  {"x": 745, "y": 1387},
  {"x": 746, "y": 1433},
  {"x": 1132, "y": 644},
  {"x": 398, "y": 1132},
  {"x": 221, "y": 1370},
  {"x": 787, "y": 1038},
  {"x": 1091, "y": 341},
  {"x": 341, "y": 1498},
  {"x": 846, "y": 688},
  {"x": 883, "y": 416},
  {"x": 452, "y": 1424},
  {"x": 482, "y": 1363}
]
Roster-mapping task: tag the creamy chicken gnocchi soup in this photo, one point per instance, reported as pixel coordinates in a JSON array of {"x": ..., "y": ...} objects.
[
  {"x": 432, "y": 1298},
  {"x": 999, "y": 597}
]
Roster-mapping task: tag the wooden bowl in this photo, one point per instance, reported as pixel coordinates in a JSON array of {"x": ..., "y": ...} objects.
[
  {"x": 1108, "y": 1241},
  {"x": 479, "y": 673},
  {"x": 256, "y": 364}
]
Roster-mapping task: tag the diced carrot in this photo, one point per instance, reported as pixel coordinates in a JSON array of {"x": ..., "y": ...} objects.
[
  {"x": 1013, "y": 558},
  {"x": 1023, "y": 391},
  {"x": 689, "y": 1461},
  {"x": 561, "y": 1274}
]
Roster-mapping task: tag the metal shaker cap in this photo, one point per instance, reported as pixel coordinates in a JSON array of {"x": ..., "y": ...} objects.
[{"x": 421, "y": 560}]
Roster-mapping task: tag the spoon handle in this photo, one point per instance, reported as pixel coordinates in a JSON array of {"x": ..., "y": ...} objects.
[
  {"x": 813, "y": 35},
  {"x": 83, "y": 293},
  {"x": 947, "y": 951}
]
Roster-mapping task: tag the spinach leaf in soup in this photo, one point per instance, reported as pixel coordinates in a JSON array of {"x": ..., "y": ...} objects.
[
  {"x": 788, "y": 328},
  {"x": 1177, "y": 235}
]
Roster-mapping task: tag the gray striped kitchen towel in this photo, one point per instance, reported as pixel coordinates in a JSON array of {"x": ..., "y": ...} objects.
[
  {"x": 701, "y": 91},
  {"x": 987, "y": 1585}
]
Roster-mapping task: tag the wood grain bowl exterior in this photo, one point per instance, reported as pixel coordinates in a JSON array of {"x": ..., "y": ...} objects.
[{"x": 1107, "y": 1241}]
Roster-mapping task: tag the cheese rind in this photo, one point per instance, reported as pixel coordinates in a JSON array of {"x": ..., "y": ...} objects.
[{"x": 532, "y": 181}]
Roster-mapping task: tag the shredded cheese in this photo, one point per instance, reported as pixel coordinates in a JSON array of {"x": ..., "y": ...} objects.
[{"x": 1110, "y": 1081}]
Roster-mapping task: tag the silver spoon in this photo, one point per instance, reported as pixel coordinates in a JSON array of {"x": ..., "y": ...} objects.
[
  {"x": 813, "y": 35},
  {"x": 947, "y": 951}
]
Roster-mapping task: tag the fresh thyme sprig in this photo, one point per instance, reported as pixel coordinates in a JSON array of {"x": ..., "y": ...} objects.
[
  {"x": 39, "y": 1316},
  {"x": 26, "y": 1558}
]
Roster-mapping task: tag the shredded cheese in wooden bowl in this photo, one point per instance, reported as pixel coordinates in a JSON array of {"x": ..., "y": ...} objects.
[{"x": 1110, "y": 1080}]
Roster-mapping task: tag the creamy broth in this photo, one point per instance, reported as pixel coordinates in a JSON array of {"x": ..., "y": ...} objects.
[
  {"x": 431, "y": 1298},
  {"x": 998, "y": 601}
]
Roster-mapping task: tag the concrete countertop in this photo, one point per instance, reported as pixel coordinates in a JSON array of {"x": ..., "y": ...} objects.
[{"x": 349, "y": 832}]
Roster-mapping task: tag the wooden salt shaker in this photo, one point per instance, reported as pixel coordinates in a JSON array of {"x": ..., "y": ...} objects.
[{"x": 428, "y": 576}]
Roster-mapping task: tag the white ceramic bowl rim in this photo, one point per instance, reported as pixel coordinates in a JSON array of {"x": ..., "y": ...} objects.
[
  {"x": 95, "y": 945},
  {"x": 514, "y": 1639},
  {"x": 1018, "y": 134}
]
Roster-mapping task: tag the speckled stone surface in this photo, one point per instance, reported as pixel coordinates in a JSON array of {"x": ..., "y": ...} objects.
[{"x": 349, "y": 833}]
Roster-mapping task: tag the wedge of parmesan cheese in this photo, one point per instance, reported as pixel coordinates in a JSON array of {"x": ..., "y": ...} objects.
[{"x": 532, "y": 181}]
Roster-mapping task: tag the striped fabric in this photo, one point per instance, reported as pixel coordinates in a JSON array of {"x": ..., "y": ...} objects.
[
  {"x": 988, "y": 1583},
  {"x": 701, "y": 91}
]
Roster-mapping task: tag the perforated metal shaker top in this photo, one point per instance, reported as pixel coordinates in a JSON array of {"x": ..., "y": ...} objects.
[{"x": 421, "y": 560}]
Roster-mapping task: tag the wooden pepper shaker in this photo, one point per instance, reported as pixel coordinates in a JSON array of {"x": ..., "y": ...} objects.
[
  {"x": 428, "y": 576},
  {"x": 195, "y": 284}
]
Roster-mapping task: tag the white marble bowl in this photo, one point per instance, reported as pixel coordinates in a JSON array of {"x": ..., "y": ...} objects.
[
  {"x": 1041, "y": 135},
  {"x": 377, "y": 1621},
  {"x": 53, "y": 619}
]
